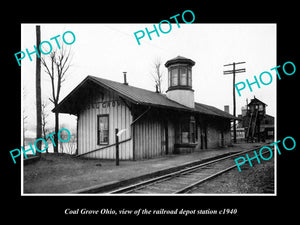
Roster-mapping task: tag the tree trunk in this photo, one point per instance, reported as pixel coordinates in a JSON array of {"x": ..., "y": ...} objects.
[{"x": 56, "y": 132}]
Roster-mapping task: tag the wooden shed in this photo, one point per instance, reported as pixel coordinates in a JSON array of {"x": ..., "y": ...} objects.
[{"x": 153, "y": 124}]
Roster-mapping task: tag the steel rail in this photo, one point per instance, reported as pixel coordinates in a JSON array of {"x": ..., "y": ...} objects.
[
  {"x": 169, "y": 176},
  {"x": 189, "y": 187}
]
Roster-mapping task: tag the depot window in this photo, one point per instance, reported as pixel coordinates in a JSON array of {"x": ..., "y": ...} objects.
[
  {"x": 186, "y": 132},
  {"x": 180, "y": 76},
  {"x": 102, "y": 129}
]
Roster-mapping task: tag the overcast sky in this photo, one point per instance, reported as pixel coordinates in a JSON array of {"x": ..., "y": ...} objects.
[{"x": 106, "y": 50}]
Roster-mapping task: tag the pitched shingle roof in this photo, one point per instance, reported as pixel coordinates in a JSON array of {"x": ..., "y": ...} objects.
[
  {"x": 134, "y": 95},
  {"x": 179, "y": 59},
  {"x": 139, "y": 95},
  {"x": 211, "y": 110}
]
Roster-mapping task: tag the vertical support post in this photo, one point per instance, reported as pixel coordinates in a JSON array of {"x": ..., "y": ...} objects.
[
  {"x": 38, "y": 90},
  {"x": 117, "y": 147},
  {"x": 234, "y": 106},
  {"x": 76, "y": 152},
  {"x": 133, "y": 141}
]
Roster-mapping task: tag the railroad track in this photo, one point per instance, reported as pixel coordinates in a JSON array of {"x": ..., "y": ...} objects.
[{"x": 184, "y": 180}]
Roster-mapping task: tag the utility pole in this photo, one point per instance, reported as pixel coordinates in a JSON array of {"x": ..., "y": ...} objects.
[
  {"x": 38, "y": 91},
  {"x": 234, "y": 71}
]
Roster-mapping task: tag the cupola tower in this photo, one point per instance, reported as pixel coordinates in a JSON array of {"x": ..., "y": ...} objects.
[{"x": 180, "y": 81}]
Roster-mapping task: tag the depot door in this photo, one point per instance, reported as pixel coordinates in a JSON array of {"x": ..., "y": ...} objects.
[
  {"x": 203, "y": 137},
  {"x": 164, "y": 138}
]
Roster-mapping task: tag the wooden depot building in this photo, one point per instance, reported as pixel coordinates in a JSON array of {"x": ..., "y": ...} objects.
[{"x": 151, "y": 124}]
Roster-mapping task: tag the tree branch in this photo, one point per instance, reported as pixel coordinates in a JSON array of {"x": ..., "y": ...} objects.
[
  {"x": 60, "y": 63},
  {"x": 51, "y": 100}
]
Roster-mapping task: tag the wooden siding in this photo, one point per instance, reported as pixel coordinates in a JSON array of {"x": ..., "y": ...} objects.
[
  {"x": 149, "y": 138},
  {"x": 119, "y": 117},
  {"x": 215, "y": 129},
  {"x": 171, "y": 137}
]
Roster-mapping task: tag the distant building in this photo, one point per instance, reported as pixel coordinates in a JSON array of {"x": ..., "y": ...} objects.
[
  {"x": 153, "y": 124},
  {"x": 267, "y": 127},
  {"x": 255, "y": 125}
]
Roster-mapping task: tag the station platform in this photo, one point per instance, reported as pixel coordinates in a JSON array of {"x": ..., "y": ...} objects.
[
  {"x": 66, "y": 174},
  {"x": 111, "y": 176}
]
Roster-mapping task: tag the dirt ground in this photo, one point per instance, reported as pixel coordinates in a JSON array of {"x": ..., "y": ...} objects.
[
  {"x": 62, "y": 173},
  {"x": 61, "y": 170},
  {"x": 255, "y": 180}
]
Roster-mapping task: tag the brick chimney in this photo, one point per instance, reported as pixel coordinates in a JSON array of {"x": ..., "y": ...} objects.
[
  {"x": 226, "y": 108},
  {"x": 125, "y": 78}
]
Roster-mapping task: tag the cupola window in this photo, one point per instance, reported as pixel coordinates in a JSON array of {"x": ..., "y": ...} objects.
[
  {"x": 180, "y": 76},
  {"x": 174, "y": 77},
  {"x": 183, "y": 76}
]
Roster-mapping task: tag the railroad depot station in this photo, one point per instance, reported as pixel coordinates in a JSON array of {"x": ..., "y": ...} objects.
[{"x": 151, "y": 124}]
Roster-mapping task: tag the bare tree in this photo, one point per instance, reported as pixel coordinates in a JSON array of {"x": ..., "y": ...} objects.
[
  {"x": 45, "y": 130},
  {"x": 157, "y": 74},
  {"x": 56, "y": 68}
]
